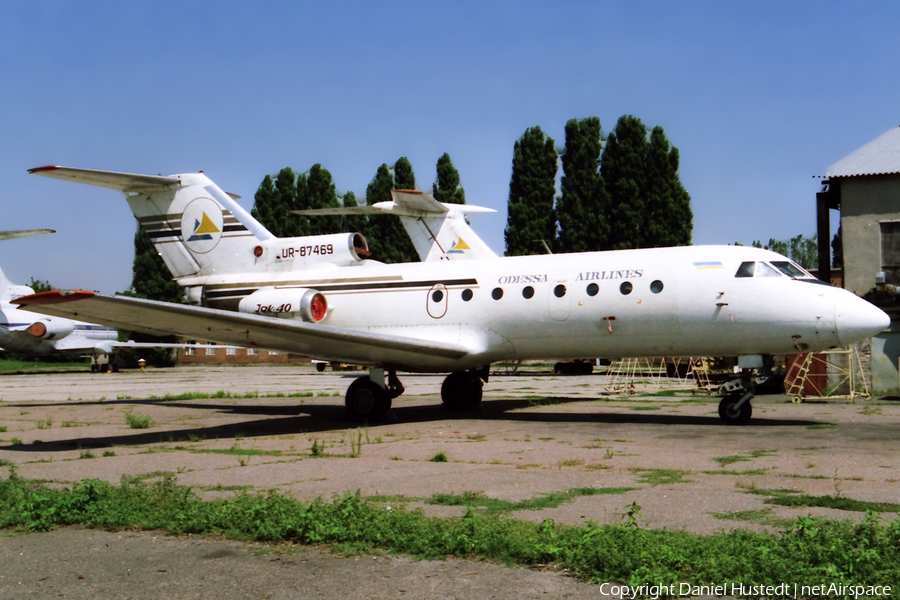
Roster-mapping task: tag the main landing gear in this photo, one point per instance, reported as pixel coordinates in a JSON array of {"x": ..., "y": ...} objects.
[
  {"x": 369, "y": 398},
  {"x": 461, "y": 391}
]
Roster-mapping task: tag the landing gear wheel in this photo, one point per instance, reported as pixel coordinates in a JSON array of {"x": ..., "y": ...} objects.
[
  {"x": 462, "y": 391},
  {"x": 732, "y": 414},
  {"x": 320, "y": 367},
  {"x": 366, "y": 400}
]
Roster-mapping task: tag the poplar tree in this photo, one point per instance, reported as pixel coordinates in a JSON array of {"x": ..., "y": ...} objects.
[
  {"x": 321, "y": 194},
  {"x": 386, "y": 236},
  {"x": 353, "y": 223},
  {"x": 274, "y": 200},
  {"x": 404, "y": 178},
  {"x": 151, "y": 278},
  {"x": 581, "y": 208},
  {"x": 531, "y": 217},
  {"x": 623, "y": 169},
  {"x": 447, "y": 188},
  {"x": 668, "y": 216}
]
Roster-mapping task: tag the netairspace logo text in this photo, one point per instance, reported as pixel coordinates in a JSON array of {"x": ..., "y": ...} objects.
[{"x": 784, "y": 590}]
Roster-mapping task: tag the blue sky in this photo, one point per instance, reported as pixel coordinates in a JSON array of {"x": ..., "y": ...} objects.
[{"x": 758, "y": 97}]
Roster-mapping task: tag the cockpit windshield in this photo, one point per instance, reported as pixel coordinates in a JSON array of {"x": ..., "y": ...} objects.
[
  {"x": 752, "y": 269},
  {"x": 761, "y": 269},
  {"x": 791, "y": 270}
]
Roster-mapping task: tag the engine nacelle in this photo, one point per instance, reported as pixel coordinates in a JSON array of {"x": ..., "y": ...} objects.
[
  {"x": 309, "y": 304},
  {"x": 300, "y": 252},
  {"x": 51, "y": 329}
]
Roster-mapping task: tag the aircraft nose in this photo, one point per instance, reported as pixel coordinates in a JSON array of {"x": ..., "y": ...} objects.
[{"x": 857, "y": 319}]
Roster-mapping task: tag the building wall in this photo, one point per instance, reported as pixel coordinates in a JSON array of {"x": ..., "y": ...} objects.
[
  {"x": 234, "y": 356},
  {"x": 866, "y": 202}
]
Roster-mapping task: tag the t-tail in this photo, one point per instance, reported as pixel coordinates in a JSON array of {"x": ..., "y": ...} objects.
[
  {"x": 438, "y": 231},
  {"x": 197, "y": 228}
]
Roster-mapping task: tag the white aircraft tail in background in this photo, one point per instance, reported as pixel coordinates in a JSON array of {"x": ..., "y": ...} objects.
[
  {"x": 438, "y": 230},
  {"x": 23, "y": 332}
]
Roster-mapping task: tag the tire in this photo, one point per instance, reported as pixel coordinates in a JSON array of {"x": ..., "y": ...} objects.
[
  {"x": 320, "y": 367},
  {"x": 366, "y": 400},
  {"x": 731, "y": 415},
  {"x": 462, "y": 391}
]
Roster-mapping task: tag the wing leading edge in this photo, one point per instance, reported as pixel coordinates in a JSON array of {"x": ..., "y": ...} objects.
[{"x": 226, "y": 327}]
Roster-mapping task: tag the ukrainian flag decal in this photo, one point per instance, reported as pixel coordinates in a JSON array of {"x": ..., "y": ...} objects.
[
  {"x": 201, "y": 225},
  {"x": 708, "y": 265}
]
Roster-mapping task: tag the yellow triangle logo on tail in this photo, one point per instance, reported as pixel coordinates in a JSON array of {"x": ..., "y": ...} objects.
[
  {"x": 206, "y": 226},
  {"x": 459, "y": 246}
]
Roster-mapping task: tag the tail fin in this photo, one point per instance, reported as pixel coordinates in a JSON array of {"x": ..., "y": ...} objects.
[
  {"x": 10, "y": 291},
  {"x": 196, "y": 227},
  {"x": 438, "y": 231}
]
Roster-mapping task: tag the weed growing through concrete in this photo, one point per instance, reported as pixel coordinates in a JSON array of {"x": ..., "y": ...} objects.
[
  {"x": 440, "y": 457},
  {"x": 137, "y": 421}
]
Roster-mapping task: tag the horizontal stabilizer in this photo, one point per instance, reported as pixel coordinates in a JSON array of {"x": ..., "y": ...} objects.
[
  {"x": 124, "y": 182},
  {"x": 437, "y": 230},
  {"x": 17, "y": 233}
]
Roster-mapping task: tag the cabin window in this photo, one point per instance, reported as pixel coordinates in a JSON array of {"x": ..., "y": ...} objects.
[
  {"x": 497, "y": 293},
  {"x": 626, "y": 288},
  {"x": 528, "y": 292},
  {"x": 746, "y": 269},
  {"x": 437, "y": 296},
  {"x": 656, "y": 287},
  {"x": 466, "y": 295},
  {"x": 559, "y": 291},
  {"x": 593, "y": 289}
]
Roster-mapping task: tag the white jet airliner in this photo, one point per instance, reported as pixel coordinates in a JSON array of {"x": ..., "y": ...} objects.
[
  {"x": 322, "y": 297},
  {"x": 22, "y": 332}
]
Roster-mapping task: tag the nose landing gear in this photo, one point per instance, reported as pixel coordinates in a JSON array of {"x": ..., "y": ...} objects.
[{"x": 735, "y": 409}]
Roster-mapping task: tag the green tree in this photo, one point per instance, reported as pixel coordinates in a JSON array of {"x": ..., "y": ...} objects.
[
  {"x": 321, "y": 194},
  {"x": 404, "y": 178},
  {"x": 837, "y": 250},
  {"x": 39, "y": 286},
  {"x": 274, "y": 201},
  {"x": 151, "y": 278},
  {"x": 668, "y": 217},
  {"x": 447, "y": 187},
  {"x": 623, "y": 166},
  {"x": 805, "y": 252},
  {"x": 265, "y": 205},
  {"x": 386, "y": 236},
  {"x": 353, "y": 223},
  {"x": 531, "y": 217},
  {"x": 582, "y": 207}
]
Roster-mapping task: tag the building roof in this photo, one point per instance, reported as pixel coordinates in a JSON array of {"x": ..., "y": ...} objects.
[{"x": 881, "y": 156}]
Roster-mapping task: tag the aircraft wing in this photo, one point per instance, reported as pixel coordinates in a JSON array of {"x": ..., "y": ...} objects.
[
  {"x": 17, "y": 233},
  {"x": 226, "y": 327}
]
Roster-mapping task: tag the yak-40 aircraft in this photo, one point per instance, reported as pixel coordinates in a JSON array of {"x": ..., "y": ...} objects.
[
  {"x": 461, "y": 308},
  {"x": 22, "y": 332}
]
